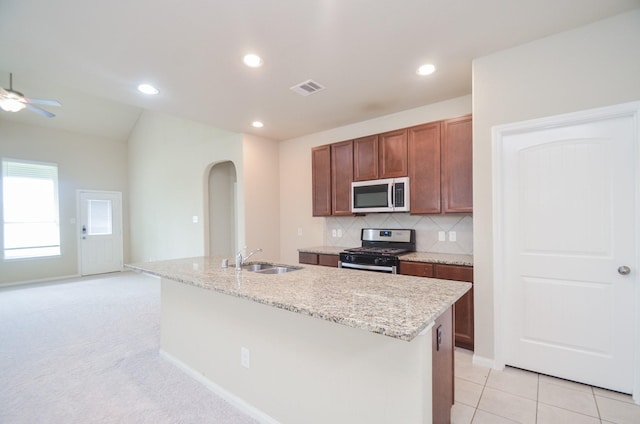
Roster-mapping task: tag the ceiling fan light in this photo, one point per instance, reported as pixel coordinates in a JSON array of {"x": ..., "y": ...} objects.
[{"x": 9, "y": 104}]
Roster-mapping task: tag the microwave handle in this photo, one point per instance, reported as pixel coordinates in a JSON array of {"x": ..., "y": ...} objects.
[{"x": 392, "y": 190}]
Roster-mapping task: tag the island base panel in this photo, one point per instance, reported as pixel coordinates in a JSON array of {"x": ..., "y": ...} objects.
[{"x": 301, "y": 369}]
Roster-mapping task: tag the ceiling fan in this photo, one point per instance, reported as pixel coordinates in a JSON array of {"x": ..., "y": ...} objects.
[{"x": 14, "y": 101}]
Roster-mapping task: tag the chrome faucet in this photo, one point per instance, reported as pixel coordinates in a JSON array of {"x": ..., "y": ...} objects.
[{"x": 240, "y": 260}]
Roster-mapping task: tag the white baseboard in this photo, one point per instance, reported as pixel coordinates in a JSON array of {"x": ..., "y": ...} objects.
[
  {"x": 486, "y": 362},
  {"x": 234, "y": 400},
  {"x": 42, "y": 280}
]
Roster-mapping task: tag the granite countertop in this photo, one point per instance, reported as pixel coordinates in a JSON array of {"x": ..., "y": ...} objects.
[
  {"x": 397, "y": 306},
  {"x": 429, "y": 257}
]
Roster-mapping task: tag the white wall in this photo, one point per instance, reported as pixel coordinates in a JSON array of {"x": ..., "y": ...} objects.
[
  {"x": 84, "y": 162},
  {"x": 170, "y": 159},
  {"x": 295, "y": 169},
  {"x": 592, "y": 66},
  {"x": 169, "y": 162}
]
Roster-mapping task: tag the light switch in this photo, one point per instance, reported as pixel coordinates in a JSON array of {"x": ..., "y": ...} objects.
[
  {"x": 300, "y": 231},
  {"x": 195, "y": 219},
  {"x": 441, "y": 236},
  {"x": 339, "y": 232},
  {"x": 452, "y": 236},
  {"x": 333, "y": 233}
]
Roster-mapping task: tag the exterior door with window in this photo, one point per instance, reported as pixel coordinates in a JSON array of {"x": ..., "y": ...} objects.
[{"x": 100, "y": 232}]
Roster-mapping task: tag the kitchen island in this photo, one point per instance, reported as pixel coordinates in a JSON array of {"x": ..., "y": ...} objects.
[{"x": 313, "y": 345}]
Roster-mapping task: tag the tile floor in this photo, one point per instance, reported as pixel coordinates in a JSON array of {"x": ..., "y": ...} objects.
[{"x": 483, "y": 396}]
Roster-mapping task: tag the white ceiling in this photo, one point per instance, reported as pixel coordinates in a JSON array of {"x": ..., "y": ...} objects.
[{"x": 91, "y": 55}]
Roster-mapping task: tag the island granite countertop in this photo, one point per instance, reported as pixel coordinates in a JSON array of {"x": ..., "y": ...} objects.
[
  {"x": 428, "y": 257},
  {"x": 397, "y": 306}
]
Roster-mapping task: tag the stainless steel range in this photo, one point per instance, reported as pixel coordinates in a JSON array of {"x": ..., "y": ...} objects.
[{"x": 380, "y": 250}]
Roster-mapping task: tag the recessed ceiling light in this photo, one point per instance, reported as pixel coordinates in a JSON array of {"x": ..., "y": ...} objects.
[
  {"x": 252, "y": 60},
  {"x": 147, "y": 89},
  {"x": 257, "y": 124},
  {"x": 426, "y": 69}
]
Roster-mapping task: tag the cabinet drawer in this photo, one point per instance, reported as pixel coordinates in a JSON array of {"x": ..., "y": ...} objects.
[
  {"x": 417, "y": 269},
  {"x": 454, "y": 272},
  {"x": 308, "y": 258},
  {"x": 328, "y": 260}
]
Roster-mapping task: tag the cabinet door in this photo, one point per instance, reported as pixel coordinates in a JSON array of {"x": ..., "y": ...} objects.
[
  {"x": 457, "y": 178},
  {"x": 308, "y": 258},
  {"x": 328, "y": 260},
  {"x": 392, "y": 151},
  {"x": 463, "y": 308},
  {"x": 341, "y": 177},
  {"x": 321, "y": 180},
  {"x": 442, "y": 367},
  {"x": 365, "y": 163},
  {"x": 424, "y": 168}
]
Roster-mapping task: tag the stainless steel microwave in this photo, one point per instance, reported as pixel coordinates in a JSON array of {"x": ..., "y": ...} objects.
[{"x": 387, "y": 195}]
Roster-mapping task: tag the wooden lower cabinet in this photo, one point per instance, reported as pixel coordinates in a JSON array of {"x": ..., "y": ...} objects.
[
  {"x": 318, "y": 259},
  {"x": 463, "y": 308},
  {"x": 442, "y": 368}
]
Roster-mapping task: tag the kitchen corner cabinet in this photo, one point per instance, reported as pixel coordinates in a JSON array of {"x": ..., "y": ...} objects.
[
  {"x": 463, "y": 308},
  {"x": 318, "y": 259},
  {"x": 380, "y": 156},
  {"x": 457, "y": 178},
  {"x": 321, "y": 180},
  {"x": 341, "y": 177}
]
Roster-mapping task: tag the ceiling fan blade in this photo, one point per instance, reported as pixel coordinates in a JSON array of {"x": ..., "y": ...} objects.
[
  {"x": 39, "y": 110},
  {"x": 43, "y": 102}
]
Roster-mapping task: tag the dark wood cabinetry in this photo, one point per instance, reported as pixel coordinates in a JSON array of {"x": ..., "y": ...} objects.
[
  {"x": 365, "y": 163},
  {"x": 442, "y": 368},
  {"x": 463, "y": 308},
  {"x": 457, "y": 178},
  {"x": 437, "y": 158},
  {"x": 341, "y": 177},
  {"x": 440, "y": 166},
  {"x": 321, "y": 180},
  {"x": 424, "y": 168},
  {"x": 323, "y": 259},
  {"x": 392, "y": 156},
  {"x": 380, "y": 156},
  {"x": 331, "y": 176}
]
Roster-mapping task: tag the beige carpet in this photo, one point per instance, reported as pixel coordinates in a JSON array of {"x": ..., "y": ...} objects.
[{"x": 86, "y": 351}]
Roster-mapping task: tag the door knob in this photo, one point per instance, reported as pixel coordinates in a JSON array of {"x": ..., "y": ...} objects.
[{"x": 624, "y": 270}]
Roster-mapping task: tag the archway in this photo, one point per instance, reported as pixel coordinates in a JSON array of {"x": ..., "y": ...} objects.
[{"x": 222, "y": 206}]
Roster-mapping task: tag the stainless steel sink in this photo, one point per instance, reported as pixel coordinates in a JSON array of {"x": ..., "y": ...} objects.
[{"x": 267, "y": 268}]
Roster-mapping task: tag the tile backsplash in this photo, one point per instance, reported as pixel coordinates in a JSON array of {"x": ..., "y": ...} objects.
[{"x": 427, "y": 229}]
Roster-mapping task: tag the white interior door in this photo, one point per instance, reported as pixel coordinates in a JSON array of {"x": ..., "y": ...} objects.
[
  {"x": 569, "y": 211},
  {"x": 100, "y": 232}
]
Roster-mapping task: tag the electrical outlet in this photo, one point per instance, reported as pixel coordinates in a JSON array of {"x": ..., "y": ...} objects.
[
  {"x": 299, "y": 231},
  {"x": 339, "y": 232},
  {"x": 194, "y": 218},
  {"x": 333, "y": 233},
  {"x": 245, "y": 357},
  {"x": 452, "y": 236},
  {"x": 441, "y": 236}
]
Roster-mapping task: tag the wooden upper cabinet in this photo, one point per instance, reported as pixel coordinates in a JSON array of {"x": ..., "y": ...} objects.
[
  {"x": 392, "y": 154},
  {"x": 424, "y": 167},
  {"x": 365, "y": 163},
  {"x": 457, "y": 178},
  {"x": 341, "y": 177},
  {"x": 321, "y": 180},
  {"x": 380, "y": 156}
]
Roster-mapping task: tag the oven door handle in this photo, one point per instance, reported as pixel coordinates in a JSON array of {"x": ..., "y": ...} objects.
[{"x": 391, "y": 269}]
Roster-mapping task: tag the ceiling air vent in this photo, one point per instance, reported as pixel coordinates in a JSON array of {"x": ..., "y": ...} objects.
[{"x": 307, "y": 87}]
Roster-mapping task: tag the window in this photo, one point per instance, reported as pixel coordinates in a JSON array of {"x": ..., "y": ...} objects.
[{"x": 30, "y": 209}]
